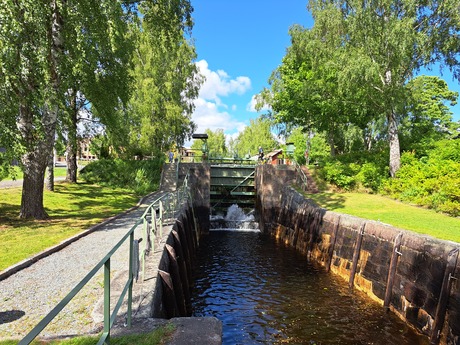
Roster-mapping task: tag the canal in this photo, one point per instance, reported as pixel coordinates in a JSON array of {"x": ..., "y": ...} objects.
[{"x": 266, "y": 293}]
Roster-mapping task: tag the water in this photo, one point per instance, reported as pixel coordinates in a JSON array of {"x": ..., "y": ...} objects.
[
  {"x": 235, "y": 219},
  {"x": 266, "y": 293}
]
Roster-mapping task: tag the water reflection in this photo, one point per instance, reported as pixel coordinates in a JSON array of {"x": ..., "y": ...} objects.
[{"x": 265, "y": 293}]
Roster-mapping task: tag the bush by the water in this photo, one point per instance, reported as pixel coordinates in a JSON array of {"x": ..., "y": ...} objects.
[
  {"x": 141, "y": 176},
  {"x": 431, "y": 180}
]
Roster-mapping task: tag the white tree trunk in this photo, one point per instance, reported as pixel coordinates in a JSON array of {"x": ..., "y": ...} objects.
[{"x": 393, "y": 138}]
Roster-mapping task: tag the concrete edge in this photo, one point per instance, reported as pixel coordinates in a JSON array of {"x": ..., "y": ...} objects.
[
  {"x": 33, "y": 259},
  {"x": 188, "y": 330}
]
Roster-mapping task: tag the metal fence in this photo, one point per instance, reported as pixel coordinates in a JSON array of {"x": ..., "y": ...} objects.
[
  {"x": 159, "y": 213},
  {"x": 300, "y": 173}
]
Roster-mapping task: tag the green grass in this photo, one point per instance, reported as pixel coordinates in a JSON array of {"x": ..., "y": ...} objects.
[
  {"x": 18, "y": 175},
  {"x": 395, "y": 213},
  {"x": 156, "y": 337},
  {"x": 72, "y": 208}
]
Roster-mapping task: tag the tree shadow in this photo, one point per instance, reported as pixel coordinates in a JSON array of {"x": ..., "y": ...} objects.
[
  {"x": 11, "y": 315},
  {"x": 329, "y": 201}
]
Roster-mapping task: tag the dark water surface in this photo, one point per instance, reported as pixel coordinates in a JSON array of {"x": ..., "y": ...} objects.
[{"x": 266, "y": 293}]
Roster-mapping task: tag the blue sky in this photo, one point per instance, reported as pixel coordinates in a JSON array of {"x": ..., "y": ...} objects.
[{"x": 239, "y": 43}]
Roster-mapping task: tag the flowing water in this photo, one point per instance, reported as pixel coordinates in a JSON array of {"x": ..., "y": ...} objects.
[{"x": 266, "y": 293}]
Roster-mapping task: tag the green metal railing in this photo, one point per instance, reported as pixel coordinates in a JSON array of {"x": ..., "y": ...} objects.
[
  {"x": 159, "y": 213},
  {"x": 301, "y": 173},
  {"x": 240, "y": 161}
]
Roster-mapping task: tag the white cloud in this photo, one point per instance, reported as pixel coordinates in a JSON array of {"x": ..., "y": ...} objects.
[
  {"x": 219, "y": 83},
  {"x": 210, "y": 111},
  {"x": 252, "y": 105}
]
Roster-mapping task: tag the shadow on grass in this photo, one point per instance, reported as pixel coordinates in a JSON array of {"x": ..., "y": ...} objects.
[
  {"x": 71, "y": 202},
  {"x": 328, "y": 201},
  {"x": 9, "y": 214},
  {"x": 85, "y": 202}
]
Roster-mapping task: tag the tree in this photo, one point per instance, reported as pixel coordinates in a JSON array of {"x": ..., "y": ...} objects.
[
  {"x": 427, "y": 115},
  {"x": 215, "y": 142},
  {"x": 166, "y": 78},
  {"x": 256, "y": 134},
  {"x": 99, "y": 83},
  {"x": 31, "y": 88},
  {"x": 353, "y": 65},
  {"x": 304, "y": 88},
  {"x": 383, "y": 43},
  {"x": 38, "y": 39}
]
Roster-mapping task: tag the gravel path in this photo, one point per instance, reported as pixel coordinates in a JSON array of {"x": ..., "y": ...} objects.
[
  {"x": 18, "y": 183},
  {"x": 28, "y": 295}
]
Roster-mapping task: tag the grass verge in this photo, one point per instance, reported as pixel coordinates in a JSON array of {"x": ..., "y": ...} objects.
[
  {"x": 73, "y": 208},
  {"x": 395, "y": 213},
  {"x": 18, "y": 175},
  {"x": 156, "y": 337}
]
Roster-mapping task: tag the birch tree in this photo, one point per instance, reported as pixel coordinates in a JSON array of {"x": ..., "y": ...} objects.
[
  {"x": 166, "y": 78},
  {"x": 37, "y": 38},
  {"x": 355, "y": 62},
  {"x": 383, "y": 44}
]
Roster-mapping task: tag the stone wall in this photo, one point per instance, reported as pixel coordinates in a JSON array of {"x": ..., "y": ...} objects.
[
  {"x": 413, "y": 275},
  {"x": 172, "y": 291},
  {"x": 200, "y": 179}
]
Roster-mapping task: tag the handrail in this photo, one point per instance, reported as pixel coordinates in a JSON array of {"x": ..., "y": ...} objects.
[
  {"x": 245, "y": 179},
  {"x": 241, "y": 161},
  {"x": 168, "y": 209},
  {"x": 302, "y": 174}
]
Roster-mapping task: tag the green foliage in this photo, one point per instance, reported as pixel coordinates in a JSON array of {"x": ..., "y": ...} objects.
[
  {"x": 319, "y": 150},
  {"x": 215, "y": 142},
  {"x": 300, "y": 142},
  {"x": 432, "y": 180},
  {"x": 370, "y": 176},
  {"x": 166, "y": 79},
  {"x": 339, "y": 174},
  {"x": 427, "y": 114},
  {"x": 256, "y": 134},
  {"x": 349, "y": 75},
  {"x": 356, "y": 171},
  {"x": 141, "y": 176}
]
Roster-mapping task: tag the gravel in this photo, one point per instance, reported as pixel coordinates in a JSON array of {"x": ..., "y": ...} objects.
[{"x": 28, "y": 295}]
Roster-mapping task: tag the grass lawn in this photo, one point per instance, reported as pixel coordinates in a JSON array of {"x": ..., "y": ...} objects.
[
  {"x": 58, "y": 172},
  {"x": 156, "y": 337},
  {"x": 73, "y": 208},
  {"x": 396, "y": 213}
]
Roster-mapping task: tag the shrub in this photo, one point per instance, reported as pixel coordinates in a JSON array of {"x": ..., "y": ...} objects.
[
  {"x": 354, "y": 171},
  {"x": 141, "y": 177},
  {"x": 370, "y": 176},
  {"x": 432, "y": 180},
  {"x": 337, "y": 173}
]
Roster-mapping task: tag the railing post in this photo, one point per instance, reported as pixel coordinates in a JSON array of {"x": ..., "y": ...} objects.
[
  {"x": 131, "y": 278},
  {"x": 144, "y": 232},
  {"x": 161, "y": 219},
  {"x": 107, "y": 301},
  {"x": 154, "y": 227},
  {"x": 153, "y": 230}
]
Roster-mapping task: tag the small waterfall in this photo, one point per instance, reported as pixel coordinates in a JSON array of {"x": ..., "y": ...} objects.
[{"x": 234, "y": 220}]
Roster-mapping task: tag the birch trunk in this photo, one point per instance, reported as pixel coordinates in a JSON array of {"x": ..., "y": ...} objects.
[
  {"x": 393, "y": 137},
  {"x": 71, "y": 147},
  {"x": 50, "y": 172}
]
